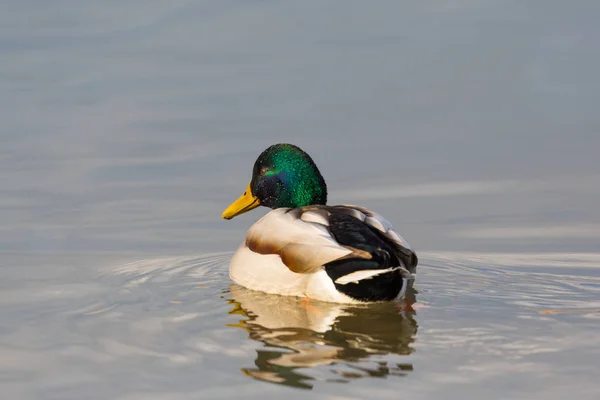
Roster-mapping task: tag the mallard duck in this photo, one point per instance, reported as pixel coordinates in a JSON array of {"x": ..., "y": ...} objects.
[{"x": 305, "y": 248}]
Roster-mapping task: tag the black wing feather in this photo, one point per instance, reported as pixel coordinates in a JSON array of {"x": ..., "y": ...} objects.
[{"x": 349, "y": 231}]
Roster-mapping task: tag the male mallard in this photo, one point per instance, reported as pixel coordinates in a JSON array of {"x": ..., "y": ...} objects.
[{"x": 341, "y": 254}]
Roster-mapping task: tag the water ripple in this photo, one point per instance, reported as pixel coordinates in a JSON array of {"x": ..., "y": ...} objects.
[{"x": 471, "y": 319}]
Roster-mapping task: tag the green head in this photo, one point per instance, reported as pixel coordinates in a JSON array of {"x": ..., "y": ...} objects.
[{"x": 283, "y": 176}]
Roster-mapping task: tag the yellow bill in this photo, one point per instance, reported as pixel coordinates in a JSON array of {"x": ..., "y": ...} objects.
[{"x": 246, "y": 202}]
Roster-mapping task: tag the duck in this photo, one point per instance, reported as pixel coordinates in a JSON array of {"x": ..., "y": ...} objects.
[{"x": 305, "y": 248}]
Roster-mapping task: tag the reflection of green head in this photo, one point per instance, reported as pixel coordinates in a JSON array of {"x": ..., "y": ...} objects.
[{"x": 285, "y": 176}]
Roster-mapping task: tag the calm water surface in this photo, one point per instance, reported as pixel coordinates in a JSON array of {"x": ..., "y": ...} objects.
[{"x": 128, "y": 126}]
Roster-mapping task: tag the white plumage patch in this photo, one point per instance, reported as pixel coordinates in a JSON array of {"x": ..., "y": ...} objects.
[
  {"x": 311, "y": 216},
  {"x": 356, "y": 276}
]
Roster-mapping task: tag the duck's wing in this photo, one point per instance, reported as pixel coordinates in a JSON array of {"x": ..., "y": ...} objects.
[
  {"x": 384, "y": 230},
  {"x": 391, "y": 265},
  {"x": 308, "y": 238},
  {"x": 301, "y": 238}
]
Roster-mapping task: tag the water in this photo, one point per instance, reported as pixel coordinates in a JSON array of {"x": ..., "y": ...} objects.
[{"x": 127, "y": 127}]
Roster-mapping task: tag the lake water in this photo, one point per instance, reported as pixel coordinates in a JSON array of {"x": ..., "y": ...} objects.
[{"x": 128, "y": 126}]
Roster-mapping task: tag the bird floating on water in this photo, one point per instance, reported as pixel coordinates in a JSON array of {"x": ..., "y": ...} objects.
[{"x": 305, "y": 248}]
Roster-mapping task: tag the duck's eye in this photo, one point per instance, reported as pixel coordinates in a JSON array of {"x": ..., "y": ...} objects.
[{"x": 263, "y": 171}]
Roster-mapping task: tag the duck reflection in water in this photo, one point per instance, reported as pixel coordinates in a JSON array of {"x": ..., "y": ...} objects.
[{"x": 300, "y": 335}]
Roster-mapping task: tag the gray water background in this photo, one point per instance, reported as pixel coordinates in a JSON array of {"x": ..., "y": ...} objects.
[{"x": 128, "y": 126}]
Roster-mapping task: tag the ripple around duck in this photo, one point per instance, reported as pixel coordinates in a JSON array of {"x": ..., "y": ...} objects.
[
  {"x": 566, "y": 285},
  {"x": 292, "y": 340},
  {"x": 519, "y": 319},
  {"x": 495, "y": 305},
  {"x": 173, "y": 318},
  {"x": 159, "y": 282}
]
